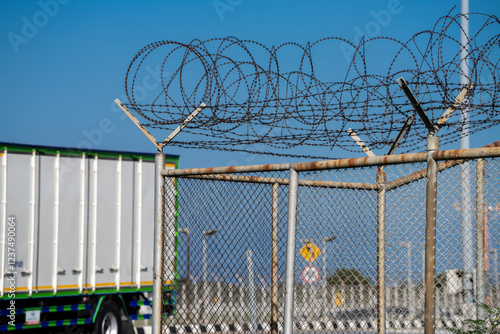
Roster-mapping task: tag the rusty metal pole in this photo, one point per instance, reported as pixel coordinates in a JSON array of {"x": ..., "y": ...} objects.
[
  {"x": 290, "y": 250},
  {"x": 158, "y": 244},
  {"x": 480, "y": 241},
  {"x": 274, "y": 261},
  {"x": 430, "y": 234},
  {"x": 381, "y": 214}
]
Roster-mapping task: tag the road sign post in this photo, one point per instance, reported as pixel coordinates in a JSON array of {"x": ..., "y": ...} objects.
[{"x": 310, "y": 274}]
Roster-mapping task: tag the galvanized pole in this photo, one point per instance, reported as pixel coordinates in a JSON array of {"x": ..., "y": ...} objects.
[
  {"x": 158, "y": 245},
  {"x": 464, "y": 70},
  {"x": 381, "y": 214},
  {"x": 430, "y": 234},
  {"x": 290, "y": 249},
  {"x": 465, "y": 168},
  {"x": 274, "y": 261},
  {"x": 480, "y": 232},
  {"x": 467, "y": 230}
]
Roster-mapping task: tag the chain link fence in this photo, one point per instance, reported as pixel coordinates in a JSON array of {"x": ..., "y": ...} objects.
[{"x": 359, "y": 239}]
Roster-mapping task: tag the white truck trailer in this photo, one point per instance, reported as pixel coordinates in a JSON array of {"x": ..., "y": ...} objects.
[{"x": 76, "y": 240}]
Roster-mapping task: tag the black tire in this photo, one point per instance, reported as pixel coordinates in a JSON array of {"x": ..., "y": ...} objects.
[{"x": 109, "y": 320}]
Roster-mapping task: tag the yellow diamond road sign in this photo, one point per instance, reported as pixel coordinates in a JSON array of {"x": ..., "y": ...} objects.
[{"x": 310, "y": 252}]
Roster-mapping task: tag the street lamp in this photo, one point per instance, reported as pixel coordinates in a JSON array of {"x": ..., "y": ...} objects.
[
  {"x": 411, "y": 304},
  {"x": 206, "y": 233},
  {"x": 325, "y": 240},
  {"x": 187, "y": 232}
]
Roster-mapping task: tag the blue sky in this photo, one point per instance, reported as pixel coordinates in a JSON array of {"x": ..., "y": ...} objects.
[{"x": 63, "y": 62}]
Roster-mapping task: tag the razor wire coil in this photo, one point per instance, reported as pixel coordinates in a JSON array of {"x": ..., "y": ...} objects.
[{"x": 282, "y": 97}]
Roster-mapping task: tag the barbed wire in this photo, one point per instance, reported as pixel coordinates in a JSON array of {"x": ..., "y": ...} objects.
[{"x": 280, "y": 100}]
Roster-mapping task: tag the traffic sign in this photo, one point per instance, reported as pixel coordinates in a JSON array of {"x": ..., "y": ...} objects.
[
  {"x": 310, "y": 274},
  {"x": 339, "y": 299},
  {"x": 310, "y": 252}
]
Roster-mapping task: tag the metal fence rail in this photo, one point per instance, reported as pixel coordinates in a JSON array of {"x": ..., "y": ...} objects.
[{"x": 360, "y": 245}]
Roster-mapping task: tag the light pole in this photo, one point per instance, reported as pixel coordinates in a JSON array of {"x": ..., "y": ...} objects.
[
  {"x": 251, "y": 288},
  {"x": 325, "y": 240},
  {"x": 205, "y": 295},
  {"x": 205, "y": 234},
  {"x": 465, "y": 169},
  {"x": 187, "y": 232},
  {"x": 411, "y": 302}
]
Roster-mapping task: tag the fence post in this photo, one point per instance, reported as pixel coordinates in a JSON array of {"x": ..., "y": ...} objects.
[
  {"x": 430, "y": 234},
  {"x": 290, "y": 249},
  {"x": 480, "y": 237},
  {"x": 381, "y": 213},
  {"x": 158, "y": 245},
  {"x": 274, "y": 261}
]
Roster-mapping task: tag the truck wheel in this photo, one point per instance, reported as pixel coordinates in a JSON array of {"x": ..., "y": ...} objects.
[{"x": 108, "y": 320}]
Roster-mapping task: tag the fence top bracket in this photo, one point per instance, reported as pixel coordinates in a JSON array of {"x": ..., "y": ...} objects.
[{"x": 160, "y": 145}]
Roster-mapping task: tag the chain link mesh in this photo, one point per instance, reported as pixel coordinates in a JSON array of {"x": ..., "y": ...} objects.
[
  {"x": 224, "y": 271},
  {"x": 405, "y": 247},
  {"x": 219, "y": 276}
]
